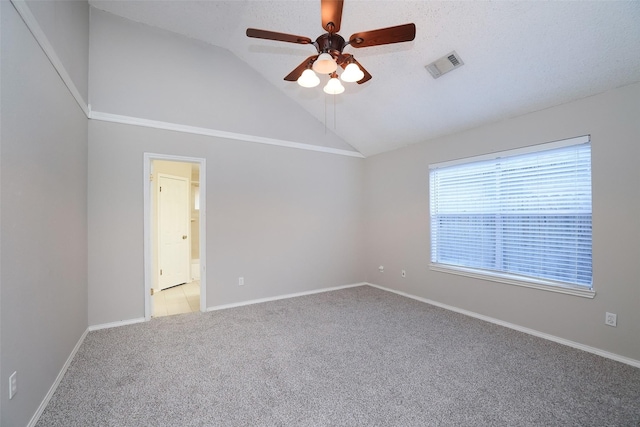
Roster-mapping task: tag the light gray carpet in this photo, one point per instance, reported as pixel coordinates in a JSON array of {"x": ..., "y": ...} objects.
[{"x": 354, "y": 357}]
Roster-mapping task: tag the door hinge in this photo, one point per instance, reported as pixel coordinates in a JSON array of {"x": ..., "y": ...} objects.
[
  {"x": 152, "y": 291},
  {"x": 150, "y": 177},
  {"x": 161, "y": 189},
  {"x": 161, "y": 272}
]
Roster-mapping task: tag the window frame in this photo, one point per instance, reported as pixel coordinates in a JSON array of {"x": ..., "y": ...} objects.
[{"x": 503, "y": 277}]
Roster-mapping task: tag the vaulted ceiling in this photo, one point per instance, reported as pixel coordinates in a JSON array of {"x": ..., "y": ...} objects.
[{"x": 519, "y": 57}]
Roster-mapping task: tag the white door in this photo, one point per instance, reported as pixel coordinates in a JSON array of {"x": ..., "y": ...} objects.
[{"x": 173, "y": 230}]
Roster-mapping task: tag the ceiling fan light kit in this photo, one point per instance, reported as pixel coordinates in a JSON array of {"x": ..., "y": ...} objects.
[
  {"x": 325, "y": 64},
  {"x": 330, "y": 48},
  {"x": 308, "y": 79},
  {"x": 352, "y": 73},
  {"x": 334, "y": 87}
]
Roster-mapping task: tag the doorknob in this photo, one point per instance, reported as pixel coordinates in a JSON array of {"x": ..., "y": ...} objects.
[{"x": 184, "y": 237}]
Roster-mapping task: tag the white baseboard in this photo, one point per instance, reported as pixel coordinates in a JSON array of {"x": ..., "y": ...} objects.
[
  {"x": 232, "y": 305},
  {"x": 56, "y": 383},
  {"x": 279, "y": 297},
  {"x": 589, "y": 349},
  {"x": 116, "y": 324}
]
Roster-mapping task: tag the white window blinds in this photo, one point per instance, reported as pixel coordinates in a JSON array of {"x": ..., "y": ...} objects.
[{"x": 524, "y": 214}]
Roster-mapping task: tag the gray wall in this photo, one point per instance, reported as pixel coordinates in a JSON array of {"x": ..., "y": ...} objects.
[
  {"x": 43, "y": 279},
  {"x": 397, "y": 222},
  {"x": 286, "y": 220},
  {"x": 66, "y": 24},
  {"x": 145, "y": 72}
]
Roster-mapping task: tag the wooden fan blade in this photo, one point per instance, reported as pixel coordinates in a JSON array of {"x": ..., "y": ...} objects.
[
  {"x": 350, "y": 59},
  {"x": 401, "y": 33},
  {"x": 331, "y": 11},
  {"x": 281, "y": 37},
  {"x": 293, "y": 76}
]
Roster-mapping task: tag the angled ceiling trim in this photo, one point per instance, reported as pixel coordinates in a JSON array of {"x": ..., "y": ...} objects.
[
  {"x": 32, "y": 24},
  {"x": 136, "y": 121}
]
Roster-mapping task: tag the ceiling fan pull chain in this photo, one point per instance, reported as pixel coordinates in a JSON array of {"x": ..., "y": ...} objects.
[
  {"x": 325, "y": 114},
  {"x": 335, "y": 124}
]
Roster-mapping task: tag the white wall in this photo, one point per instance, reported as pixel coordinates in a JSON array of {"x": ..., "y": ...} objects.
[
  {"x": 43, "y": 280},
  {"x": 145, "y": 72},
  {"x": 397, "y": 222},
  {"x": 286, "y": 220}
]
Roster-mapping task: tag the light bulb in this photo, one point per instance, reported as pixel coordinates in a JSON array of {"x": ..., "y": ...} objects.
[
  {"x": 334, "y": 87},
  {"x": 324, "y": 64},
  {"x": 352, "y": 73},
  {"x": 308, "y": 79}
]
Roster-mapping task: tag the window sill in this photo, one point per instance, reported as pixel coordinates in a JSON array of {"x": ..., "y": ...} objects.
[{"x": 514, "y": 280}]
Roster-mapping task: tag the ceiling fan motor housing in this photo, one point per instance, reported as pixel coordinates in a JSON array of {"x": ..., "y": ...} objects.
[{"x": 330, "y": 43}]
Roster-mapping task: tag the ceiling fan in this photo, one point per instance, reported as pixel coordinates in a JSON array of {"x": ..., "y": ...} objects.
[{"x": 330, "y": 46}]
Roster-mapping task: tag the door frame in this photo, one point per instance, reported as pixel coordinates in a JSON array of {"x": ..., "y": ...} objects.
[{"x": 150, "y": 222}]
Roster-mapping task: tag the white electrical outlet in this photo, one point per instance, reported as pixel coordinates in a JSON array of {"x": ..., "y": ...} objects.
[
  {"x": 13, "y": 385},
  {"x": 404, "y": 273},
  {"x": 611, "y": 319},
  {"x": 381, "y": 269},
  {"x": 240, "y": 281}
]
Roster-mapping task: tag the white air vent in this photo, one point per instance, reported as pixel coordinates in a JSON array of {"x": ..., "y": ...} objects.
[{"x": 441, "y": 66}]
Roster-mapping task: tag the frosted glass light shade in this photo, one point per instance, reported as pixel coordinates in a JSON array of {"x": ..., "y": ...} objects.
[
  {"x": 308, "y": 79},
  {"x": 324, "y": 64},
  {"x": 352, "y": 73},
  {"x": 334, "y": 87}
]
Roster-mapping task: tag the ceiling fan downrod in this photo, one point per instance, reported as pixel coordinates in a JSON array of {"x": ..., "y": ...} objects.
[{"x": 330, "y": 28}]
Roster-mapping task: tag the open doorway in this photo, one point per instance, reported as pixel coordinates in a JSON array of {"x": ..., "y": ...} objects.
[{"x": 174, "y": 229}]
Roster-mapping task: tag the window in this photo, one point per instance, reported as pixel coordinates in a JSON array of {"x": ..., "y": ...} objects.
[{"x": 522, "y": 216}]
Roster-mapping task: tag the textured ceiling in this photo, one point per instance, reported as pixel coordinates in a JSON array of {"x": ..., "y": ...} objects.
[{"x": 520, "y": 56}]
